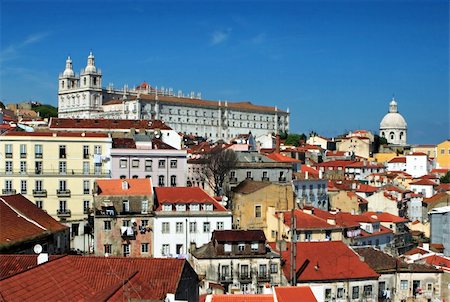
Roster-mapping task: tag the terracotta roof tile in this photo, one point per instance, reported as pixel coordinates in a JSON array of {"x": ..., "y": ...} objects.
[
  {"x": 306, "y": 221},
  {"x": 20, "y": 220},
  {"x": 56, "y": 134},
  {"x": 423, "y": 182},
  {"x": 185, "y": 195},
  {"x": 249, "y": 186},
  {"x": 294, "y": 294},
  {"x": 385, "y": 217},
  {"x": 282, "y": 158},
  {"x": 138, "y": 186},
  {"x": 106, "y": 124},
  {"x": 398, "y": 160},
  {"x": 242, "y": 298},
  {"x": 238, "y": 235}
]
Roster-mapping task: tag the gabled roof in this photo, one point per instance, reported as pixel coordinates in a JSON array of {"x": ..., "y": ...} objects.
[
  {"x": 282, "y": 158},
  {"x": 105, "y": 124},
  {"x": 443, "y": 187},
  {"x": 326, "y": 261},
  {"x": 362, "y": 164},
  {"x": 385, "y": 217},
  {"x": 238, "y": 235},
  {"x": 21, "y": 220},
  {"x": 441, "y": 196},
  {"x": 13, "y": 264},
  {"x": 304, "y": 221},
  {"x": 125, "y": 187},
  {"x": 78, "y": 278},
  {"x": 398, "y": 159},
  {"x": 294, "y": 294},
  {"x": 55, "y": 134},
  {"x": 423, "y": 182},
  {"x": 185, "y": 195}
]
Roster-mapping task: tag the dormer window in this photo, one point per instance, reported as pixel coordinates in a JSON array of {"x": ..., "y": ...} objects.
[
  {"x": 195, "y": 207},
  {"x": 181, "y": 207},
  {"x": 227, "y": 248},
  {"x": 208, "y": 207},
  {"x": 124, "y": 185},
  {"x": 254, "y": 246},
  {"x": 144, "y": 207},
  {"x": 167, "y": 207},
  {"x": 241, "y": 247}
]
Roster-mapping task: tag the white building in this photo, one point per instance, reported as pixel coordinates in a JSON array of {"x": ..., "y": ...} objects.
[
  {"x": 82, "y": 96},
  {"x": 183, "y": 216},
  {"x": 417, "y": 164},
  {"x": 393, "y": 126},
  {"x": 397, "y": 164},
  {"x": 424, "y": 187}
]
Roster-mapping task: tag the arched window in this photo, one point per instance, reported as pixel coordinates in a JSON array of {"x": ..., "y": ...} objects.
[
  {"x": 382, "y": 134},
  {"x": 135, "y": 177},
  {"x": 392, "y": 135},
  {"x": 95, "y": 81},
  {"x": 62, "y": 84},
  {"x": 122, "y": 177},
  {"x": 84, "y": 80},
  {"x": 401, "y": 135}
]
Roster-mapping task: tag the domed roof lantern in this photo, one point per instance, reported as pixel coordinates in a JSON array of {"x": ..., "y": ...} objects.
[
  {"x": 393, "y": 106},
  {"x": 90, "y": 68},
  {"x": 68, "y": 72}
]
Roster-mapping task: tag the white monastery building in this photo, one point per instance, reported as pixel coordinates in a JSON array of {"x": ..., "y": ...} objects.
[
  {"x": 82, "y": 96},
  {"x": 393, "y": 126}
]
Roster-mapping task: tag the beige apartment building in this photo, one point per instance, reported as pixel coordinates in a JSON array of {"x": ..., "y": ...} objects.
[{"x": 57, "y": 170}]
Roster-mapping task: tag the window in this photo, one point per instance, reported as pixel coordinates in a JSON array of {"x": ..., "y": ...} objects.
[
  {"x": 249, "y": 174},
  {"x": 179, "y": 227},
  {"x": 227, "y": 248},
  {"x": 135, "y": 163},
  {"x": 39, "y": 204},
  {"x": 241, "y": 247},
  {"x": 355, "y": 292},
  {"x": 148, "y": 165},
  {"x": 263, "y": 270},
  {"x": 258, "y": 211},
  {"x": 144, "y": 248},
  {"x": 62, "y": 151},
  {"x": 193, "y": 227},
  {"x": 107, "y": 248},
  {"x": 74, "y": 229},
  {"x": 97, "y": 149},
  {"x": 167, "y": 207},
  {"x": 23, "y": 167},
  {"x": 165, "y": 227},
  {"x": 245, "y": 288},
  {"x": 126, "y": 250},
  {"x": 8, "y": 151},
  {"x": 180, "y": 207},
  {"x": 429, "y": 286},
  {"x": 144, "y": 207},
  {"x": 85, "y": 167},
  {"x": 86, "y": 186},
  {"x": 404, "y": 284},
  {"x": 85, "y": 152},
  {"x": 273, "y": 268},
  {"x": 125, "y": 205},
  {"x": 328, "y": 294},
  {"x": 173, "y": 181},
  {"x": 194, "y": 207},
  {"x": 38, "y": 185},
  {"x": 219, "y": 225},
  {"x": 23, "y": 186},
  {"x": 8, "y": 185},
  {"x": 123, "y": 163},
  {"x": 161, "y": 180},
  {"x": 8, "y": 167},
  {"x": 23, "y": 151},
  {"x": 265, "y": 175},
  {"x": 367, "y": 290},
  {"x": 165, "y": 249},
  {"x": 340, "y": 293},
  {"x": 173, "y": 164},
  {"x": 206, "y": 227},
  {"x": 86, "y": 206},
  {"x": 62, "y": 167},
  {"x": 62, "y": 206},
  {"x": 62, "y": 185},
  {"x": 107, "y": 225},
  {"x": 308, "y": 235},
  {"x": 161, "y": 163},
  {"x": 126, "y": 223},
  {"x": 254, "y": 246}
]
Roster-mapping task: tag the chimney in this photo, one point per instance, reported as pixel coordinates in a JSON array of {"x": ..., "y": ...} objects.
[
  {"x": 277, "y": 146},
  {"x": 306, "y": 175},
  {"x": 320, "y": 174}
]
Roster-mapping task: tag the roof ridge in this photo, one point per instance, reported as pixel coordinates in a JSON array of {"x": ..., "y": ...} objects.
[{"x": 23, "y": 216}]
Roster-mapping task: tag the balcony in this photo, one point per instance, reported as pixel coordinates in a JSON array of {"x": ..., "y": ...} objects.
[
  {"x": 225, "y": 278},
  {"x": 23, "y": 155},
  {"x": 63, "y": 213},
  {"x": 8, "y": 155},
  {"x": 38, "y": 155},
  {"x": 63, "y": 193},
  {"x": 8, "y": 191},
  {"x": 263, "y": 277},
  {"x": 54, "y": 172},
  {"x": 245, "y": 277},
  {"x": 233, "y": 180},
  {"x": 40, "y": 193}
]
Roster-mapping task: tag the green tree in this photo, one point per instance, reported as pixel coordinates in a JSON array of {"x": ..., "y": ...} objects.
[
  {"x": 446, "y": 178},
  {"x": 294, "y": 139},
  {"x": 46, "y": 111}
]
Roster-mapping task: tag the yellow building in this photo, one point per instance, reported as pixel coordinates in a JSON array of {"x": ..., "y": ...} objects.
[
  {"x": 384, "y": 157},
  {"x": 255, "y": 203},
  {"x": 56, "y": 171},
  {"x": 429, "y": 150},
  {"x": 443, "y": 154}
]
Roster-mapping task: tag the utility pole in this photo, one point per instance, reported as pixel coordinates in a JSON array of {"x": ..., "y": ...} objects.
[{"x": 293, "y": 249}]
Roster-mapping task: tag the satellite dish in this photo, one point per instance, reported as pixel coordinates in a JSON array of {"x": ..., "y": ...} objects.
[
  {"x": 37, "y": 248},
  {"x": 225, "y": 198}
]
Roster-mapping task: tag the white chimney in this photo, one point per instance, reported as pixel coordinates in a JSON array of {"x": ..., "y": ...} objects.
[
  {"x": 42, "y": 258},
  {"x": 320, "y": 174},
  {"x": 306, "y": 175}
]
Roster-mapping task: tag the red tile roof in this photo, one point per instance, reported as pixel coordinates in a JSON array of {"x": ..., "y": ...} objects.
[
  {"x": 416, "y": 154},
  {"x": 383, "y": 230},
  {"x": 423, "y": 182},
  {"x": 385, "y": 217},
  {"x": 214, "y": 104},
  {"x": 362, "y": 164},
  {"x": 441, "y": 196},
  {"x": 306, "y": 221},
  {"x": 56, "y": 134},
  {"x": 343, "y": 219},
  {"x": 242, "y": 298},
  {"x": 282, "y": 158},
  {"x": 14, "y": 264},
  {"x": 238, "y": 235},
  {"x": 77, "y": 278},
  {"x": 437, "y": 260},
  {"x": 443, "y": 187},
  {"x": 294, "y": 294},
  {"x": 309, "y": 169},
  {"x": 336, "y": 163},
  {"x": 106, "y": 124},
  {"x": 326, "y": 261},
  {"x": 186, "y": 195},
  {"x": 138, "y": 186},
  {"x": 398, "y": 160},
  {"x": 21, "y": 220}
]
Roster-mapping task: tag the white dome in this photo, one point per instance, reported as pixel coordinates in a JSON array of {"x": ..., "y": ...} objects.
[
  {"x": 90, "y": 68},
  {"x": 393, "y": 120},
  {"x": 68, "y": 72}
]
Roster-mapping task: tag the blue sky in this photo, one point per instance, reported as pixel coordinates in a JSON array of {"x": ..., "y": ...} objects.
[{"x": 334, "y": 64}]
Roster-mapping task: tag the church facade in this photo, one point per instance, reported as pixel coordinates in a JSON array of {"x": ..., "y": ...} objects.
[
  {"x": 393, "y": 126},
  {"x": 82, "y": 96}
]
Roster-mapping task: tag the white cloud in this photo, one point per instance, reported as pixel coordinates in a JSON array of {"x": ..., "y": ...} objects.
[
  {"x": 12, "y": 51},
  {"x": 220, "y": 36}
]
